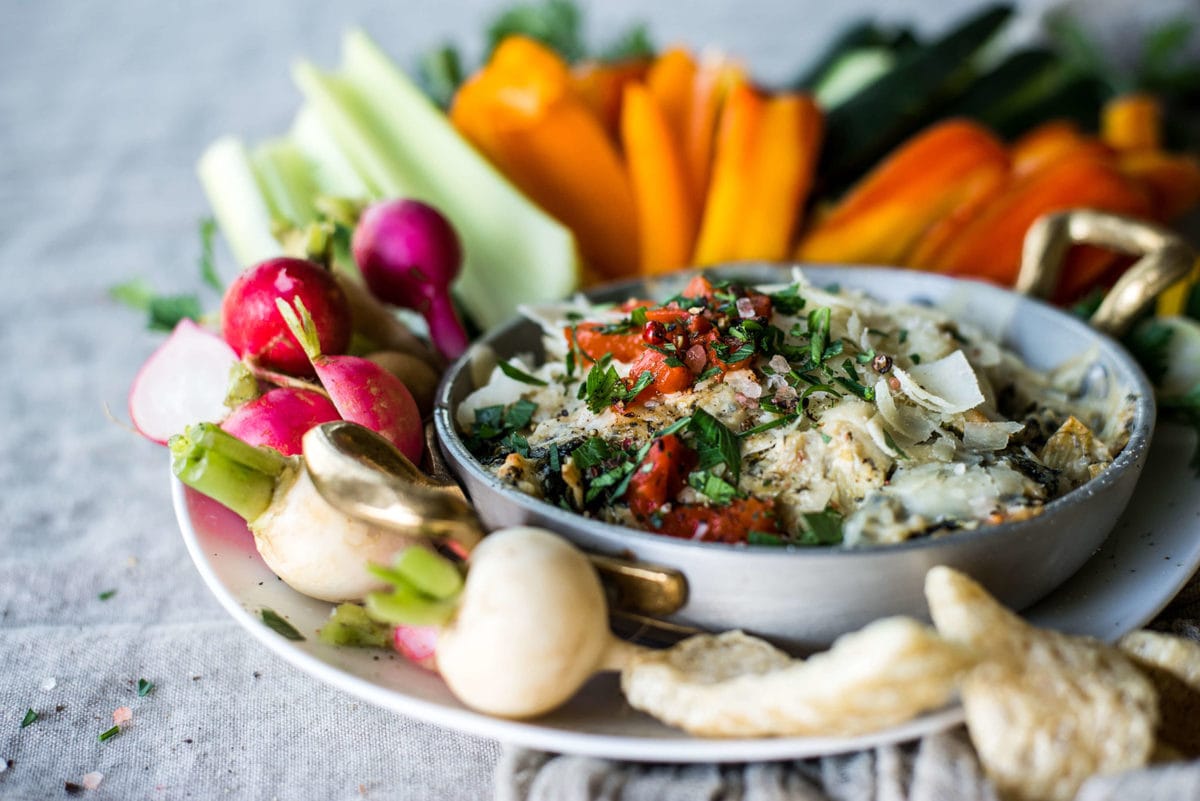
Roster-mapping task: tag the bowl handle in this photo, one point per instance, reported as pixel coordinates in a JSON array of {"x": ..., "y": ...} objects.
[{"x": 1165, "y": 259}]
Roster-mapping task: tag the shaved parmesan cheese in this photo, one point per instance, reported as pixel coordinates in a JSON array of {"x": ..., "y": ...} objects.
[
  {"x": 948, "y": 385},
  {"x": 908, "y": 424},
  {"x": 989, "y": 436}
]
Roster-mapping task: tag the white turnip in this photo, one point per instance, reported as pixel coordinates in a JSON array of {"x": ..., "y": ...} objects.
[{"x": 314, "y": 548}]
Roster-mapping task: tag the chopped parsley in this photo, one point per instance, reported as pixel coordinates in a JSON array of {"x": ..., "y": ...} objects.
[
  {"x": 712, "y": 486},
  {"x": 715, "y": 444},
  {"x": 603, "y": 386},
  {"x": 787, "y": 301},
  {"x": 144, "y": 687},
  {"x": 820, "y": 528},
  {"x": 276, "y": 624},
  {"x": 30, "y": 717},
  {"x": 104, "y": 596},
  {"x": 520, "y": 375},
  {"x": 498, "y": 426},
  {"x": 776, "y": 423},
  {"x": 108, "y": 734},
  {"x": 818, "y": 333}
]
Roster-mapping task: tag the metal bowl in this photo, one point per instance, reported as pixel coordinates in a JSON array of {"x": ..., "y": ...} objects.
[{"x": 806, "y": 597}]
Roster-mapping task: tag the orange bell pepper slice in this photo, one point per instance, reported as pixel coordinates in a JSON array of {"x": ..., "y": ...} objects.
[
  {"x": 1172, "y": 181},
  {"x": 1132, "y": 122},
  {"x": 520, "y": 111},
  {"x": 729, "y": 192},
  {"x": 1052, "y": 141},
  {"x": 990, "y": 246},
  {"x": 715, "y": 79},
  {"x": 945, "y": 167},
  {"x": 666, "y": 216},
  {"x": 671, "y": 80},
  {"x": 600, "y": 85},
  {"x": 785, "y": 159}
]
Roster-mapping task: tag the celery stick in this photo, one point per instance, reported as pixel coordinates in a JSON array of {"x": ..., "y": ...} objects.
[
  {"x": 402, "y": 145},
  {"x": 331, "y": 170},
  {"x": 237, "y": 201},
  {"x": 286, "y": 178}
]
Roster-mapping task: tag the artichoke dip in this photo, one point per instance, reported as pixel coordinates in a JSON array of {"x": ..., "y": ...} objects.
[{"x": 788, "y": 414}]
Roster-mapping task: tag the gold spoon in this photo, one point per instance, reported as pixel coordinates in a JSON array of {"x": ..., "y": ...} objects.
[{"x": 363, "y": 475}]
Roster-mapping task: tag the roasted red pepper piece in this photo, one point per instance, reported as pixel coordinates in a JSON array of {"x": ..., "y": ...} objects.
[
  {"x": 730, "y": 523},
  {"x": 660, "y": 476},
  {"x": 595, "y": 343},
  {"x": 667, "y": 378}
]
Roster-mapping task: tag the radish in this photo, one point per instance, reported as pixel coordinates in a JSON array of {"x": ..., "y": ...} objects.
[
  {"x": 250, "y": 320},
  {"x": 529, "y": 627},
  {"x": 417, "y": 644},
  {"x": 184, "y": 381},
  {"x": 409, "y": 256},
  {"x": 315, "y": 549},
  {"x": 280, "y": 418},
  {"x": 378, "y": 325},
  {"x": 362, "y": 391}
]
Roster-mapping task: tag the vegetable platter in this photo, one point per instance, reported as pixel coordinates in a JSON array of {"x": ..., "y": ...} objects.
[{"x": 400, "y": 219}]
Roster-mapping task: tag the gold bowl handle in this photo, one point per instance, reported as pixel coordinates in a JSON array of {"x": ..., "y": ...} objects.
[{"x": 1165, "y": 259}]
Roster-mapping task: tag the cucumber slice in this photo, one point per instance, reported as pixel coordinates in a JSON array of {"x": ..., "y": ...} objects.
[
  {"x": 850, "y": 73},
  {"x": 403, "y": 146},
  {"x": 883, "y": 113}
]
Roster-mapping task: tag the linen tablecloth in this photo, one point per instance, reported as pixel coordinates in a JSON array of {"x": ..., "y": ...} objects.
[{"x": 103, "y": 111}]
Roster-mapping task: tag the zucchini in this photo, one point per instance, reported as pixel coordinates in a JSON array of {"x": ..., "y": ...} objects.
[
  {"x": 1021, "y": 79},
  {"x": 1077, "y": 99},
  {"x": 879, "y": 116}
]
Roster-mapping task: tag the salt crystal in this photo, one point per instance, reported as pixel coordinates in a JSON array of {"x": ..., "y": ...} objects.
[
  {"x": 779, "y": 364},
  {"x": 3, "y": 765},
  {"x": 49, "y": 683},
  {"x": 122, "y": 714},
  {"x": 92, "y": 780},
  {"x": 745, "y": 308}
]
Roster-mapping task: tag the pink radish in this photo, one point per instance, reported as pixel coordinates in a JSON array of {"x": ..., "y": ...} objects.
[
  {"x": 183, "y": 382},
  {"x": 280, "y": 418},
  {"x": 251, "y": 324},
  {"x": 409, "y": 256},
  {"x": 417, "y": 644},
  {"x": 362, "y": 391}
]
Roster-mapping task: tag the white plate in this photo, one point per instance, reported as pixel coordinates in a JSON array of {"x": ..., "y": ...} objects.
[{"x": 1150, "y": 555}]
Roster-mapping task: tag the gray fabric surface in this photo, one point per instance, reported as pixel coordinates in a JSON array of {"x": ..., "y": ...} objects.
[{"x": 103, "y": 110}]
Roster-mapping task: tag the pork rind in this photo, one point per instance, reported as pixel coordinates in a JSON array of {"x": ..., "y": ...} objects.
[
  {"x": 734, "y": 685},
  {"x": 1044, "y": 710},
  {"x": 1173, "y": 664}
]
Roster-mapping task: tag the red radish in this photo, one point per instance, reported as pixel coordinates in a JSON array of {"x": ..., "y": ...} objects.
[
  {"x": 362, "y": 391},
  {"x": 183, "y": 382},
  {"x": 251, "y": 324},
  {"x": 280, "y": 418},
  {"x": 417, "y": 644},
  {"x": 409, "y": 256}
]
